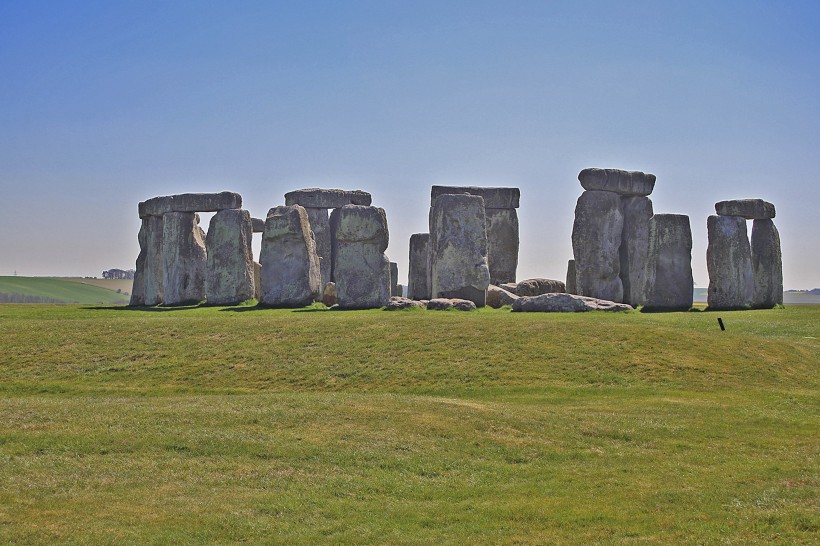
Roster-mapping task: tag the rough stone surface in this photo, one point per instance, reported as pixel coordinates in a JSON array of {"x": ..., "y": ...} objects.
[
  {"x": 418, "y": 274},
  {"x": 394, "y": 279},
  {"x": 767, "y": 265},
  {"x": 147, "y": 288},
  {"x": 458, "y": 248},
  {"x": 634, "y": 249},
  {"x": 320, "y": 225},
  {"x": 190, "y": 202},
  {"x": 750, "y": 209},
  {"x": 319, "y": 198},
  {"x": 668, "y": 278},
  {"x": 494, "y": 198},
  {"x": 329, "y": 294},
  {"x": 571, "y": 277},
  {"x": 442, "y": 304},
  {"x": 257, "y": 281},
  {"x": 258, "y": 225},
  {"x": 360, "y": 269},
  {"x": 618, "y": 181},
  {"x": 510, "y": 287},
  {"x": 290, "y": 266},
  {"x": 229, "y": 275},
  {"x": 729, "y": 262},
  {"x": 502, "y": 244},
  {"x": 398, "y": 303},
  {"x": 184, "y": 258},
  {"x": 566, "y": 303},
  {"x": 536, "y": 287},
  {"x": 596, "y": 242},
  {"x": 498, "y": 297}
]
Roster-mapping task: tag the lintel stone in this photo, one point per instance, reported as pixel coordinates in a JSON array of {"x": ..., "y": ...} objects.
[
  {"x": 190, "y": 202},
  {"x": 617, "y": 181},
  {"x": 319, "y": 198},
  {"x": 750, "y": 209},
  {"x": 494, "y": 198}
]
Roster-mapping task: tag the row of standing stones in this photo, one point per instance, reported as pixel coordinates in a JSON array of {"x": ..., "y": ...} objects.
[{"x": 329, "y": 245}]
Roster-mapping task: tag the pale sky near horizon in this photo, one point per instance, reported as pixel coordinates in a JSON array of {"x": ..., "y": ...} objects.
[{"x": 105, "y": 104}]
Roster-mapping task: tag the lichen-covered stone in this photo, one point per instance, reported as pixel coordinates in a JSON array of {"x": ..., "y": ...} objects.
[
  {"x": 502, "y": 244},
  {"x": 729, "y": 262},
  {"x": 398, "y": 303},
  {"x": 319, "y": 198},
  {"x": 668, "y": 280},
  {"x": 258, "y": 225},
  {"x": 498, "y": 297},
  {"x": 617, "y": 181},
  {"x": 320, "y": 225},
  {"x": 767, "y": 265},
  {"x": 536, "y": 287},
  {"x": 565, "y": 303},
  {"x": 418, "y": 274},
  {"x": 190, "y": 202},
  {"x": 230, "y": 278},
  {"x": 290, "y": 266},
  {"x": 147, "y": 288},
  {"x": 443, "y": 304},
  {"x": 329, "y": 294},
  {"x": 596, "y": 243},
  {"x": 750, "y": 209},
  {"x": 184, "y": 259},
  {"x": 360, "y": 269},
  {"x": 634, "y": 249},
  {"x": 494, "y": 198},
  {"x": 458, "y": 248}
]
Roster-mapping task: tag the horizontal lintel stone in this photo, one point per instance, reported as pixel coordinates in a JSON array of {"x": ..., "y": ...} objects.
[
  {"x": 494, "y": 198},
  {"x": 750, "y": 209},
  {"x": 190, "y": 202},
  {"x": 617, "y": 181},
  {"x": 319, "y": 198}
]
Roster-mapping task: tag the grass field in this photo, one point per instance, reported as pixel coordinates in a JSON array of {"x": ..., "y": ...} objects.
[
  {"x": 311, "y": 426},
  {"x": 64, "y": 290}
]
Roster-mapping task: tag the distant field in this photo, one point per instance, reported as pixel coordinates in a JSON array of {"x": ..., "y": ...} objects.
[
  {"x": 789, "y": 298},
  {"x": 225, "y": 425},
  {"x": 63, "y": 290}
]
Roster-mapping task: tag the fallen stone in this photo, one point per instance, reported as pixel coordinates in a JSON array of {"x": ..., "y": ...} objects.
[
  {"x": 510, "y": 287},
  {"x": 398, "y": 303},
  {"x": 498, "y": 297},
  {"x": 418, "y": 274},
  {"x": 729, "y": 263},
  {"x": 229, "y": 272},
  {"x": 571, "y": 277},
  {"x": 190, "y": 202},
  {"x": 767, "y": 265},
  {"x": 750, "y": 209},
  {"x": 329, "y": 294},
  {"x": 494, "y": 198},
  {"x": 536, "y": 287},
  {"x": 566, "y": 303},
  {"x": 617, "y": 181},
  {"x": 634, "y": 249},
  {"x": 669, "y": 284},
  {"x": 184, "y": 259},
  {"x": 596, "y": 242},
  {"x": 319, "y": 198},
  {"x": 442, "y": 304},
  {"x": 290, "y": 266}
]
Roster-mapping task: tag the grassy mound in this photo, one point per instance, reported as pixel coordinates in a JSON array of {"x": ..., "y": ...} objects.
[
  {"x": 61, "y": 290},
  {"x": 314, "y": 426}
]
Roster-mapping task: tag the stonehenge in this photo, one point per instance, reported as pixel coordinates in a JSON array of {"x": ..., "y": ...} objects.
[
  {"x": 229, "y": 268},
  {"x": 418, "y": 273},
  {"x": 668, "y": 274},
  {"x": 183, "y": 258}
]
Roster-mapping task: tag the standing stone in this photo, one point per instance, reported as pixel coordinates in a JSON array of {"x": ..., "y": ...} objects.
[
  {"x": 394, "y": 279},
  {"x": 290, "y": 266},
  {"x": 502, "y": 244},
  {"x": 729, "y": 262},
  {"x": 458, "y": 248},
  {"x": 571, "y": 289},
  {"x": 418, "y": 274},
  {"x": 669, "y": 285},
  {"x": 184, "y": 258},
  {"x": 596, "y": 242},
  {"x": 147, "y": 288},
  {"x": 767, "y": 265},
  {"x": 320, "y": 225},
  {"x": 637, "y": 211},
  {"x": 230, "y": 277},
  {"x": 257, "y": 280},
  {"x": 360, "y": 269}
]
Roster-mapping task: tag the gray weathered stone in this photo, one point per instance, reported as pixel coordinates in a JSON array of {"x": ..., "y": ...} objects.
[
  {"x": 229, "y": 275},
  {"x": 750, "y": 209},
  {"x": 571, "y": 277},
  {"x": 536, "y": 287},
  {"x": 398, "y": 303},
  {"x": 498, "y": 297},
  {"x": 147, "y": 288},
  {"x": 502, "y": 244},
  {"x": 318, "y": 198},
  {"x": 458, "y": 248},
  {"x": 329, "y": 294},
  {"x": 418, "y": 273},
  {"x": 257, "y": 281},
  {"x": 190, "y": 202},
  {"x": 394, "y": 279},
  {"x": 668, "y": 278},
  {"x": 320, "y": 225},
  {"x": 494, "y": 198},
  {"x": 637, "y": 211},
  {"x": 258, "y": 225},
  {"x": 442, "y": 304},
  {"x": 729, "y": 262},
  {"x": 360, "y": 269},
  {"x": 596, "y": 242},
  {"x": 184, "y": 259},
  {"x": 617, "y": 181},
  {"x": 565, "y": 303},
  {"x": 767, "y": 265},
  {"x": 290, "y": 266}
]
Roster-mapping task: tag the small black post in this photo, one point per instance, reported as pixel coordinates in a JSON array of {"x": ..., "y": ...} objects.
[{"x": 722, "y": 327}]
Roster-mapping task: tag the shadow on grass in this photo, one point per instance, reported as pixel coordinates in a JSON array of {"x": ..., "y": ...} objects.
[{"x": 143, "y": 309}]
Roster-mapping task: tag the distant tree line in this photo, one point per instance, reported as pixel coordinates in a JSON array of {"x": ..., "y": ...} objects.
[
  {"x": 25, "y": 298},
  {"x": 127, "y": 274}
]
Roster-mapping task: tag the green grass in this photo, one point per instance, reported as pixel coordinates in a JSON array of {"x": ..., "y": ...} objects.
[
  {"x": 311, "y": 426},
  {"x": 60, "y": 290}
]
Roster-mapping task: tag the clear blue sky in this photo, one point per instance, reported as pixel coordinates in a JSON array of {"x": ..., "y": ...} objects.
[{"x": 105, "y": 104}]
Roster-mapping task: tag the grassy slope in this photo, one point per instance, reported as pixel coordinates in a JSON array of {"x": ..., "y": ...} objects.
[
  {"x": 69, "y": 291},
  {"x": 242, "y": 424},
  {"x": 123, "y": 285}
]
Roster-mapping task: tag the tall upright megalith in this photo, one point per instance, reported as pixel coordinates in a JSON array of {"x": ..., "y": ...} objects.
[
  {"x": 230, "y": 277},
  {"x": 634, "y": 251},
  {"x": 147, "y": 289},
  {"x": 184, "y": 258},
  {"x": 596, "y": 243},
  {"x": 418, "y": 274},
  {"x": 767, "y": 264},
  {"x": 669, "y": 284},
  {"x": 290, "y": 275},
  {"x": 458, "y": 248},
  {"x": 361, "y": 271},
  {"x": 729, "y": 263}
]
